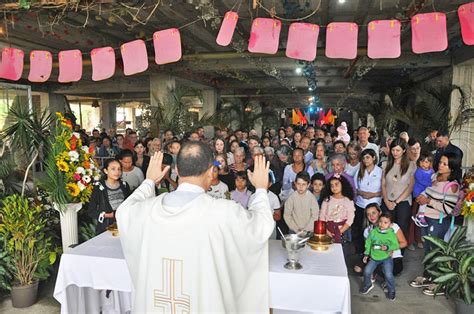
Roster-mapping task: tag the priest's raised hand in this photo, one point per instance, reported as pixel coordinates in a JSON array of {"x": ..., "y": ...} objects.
[
  {"x": 155, "y": 171},
  {"x": 259, "y": 176}
]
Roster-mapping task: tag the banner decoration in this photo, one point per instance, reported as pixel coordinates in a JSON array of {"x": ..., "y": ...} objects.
[
  {"x": 134, "y": 56},
  {"x": 70, "y": 66},
  {"x": 384, "y": 39},
  {"x": 103, "y": 63},
  {"x": 466, "y": 19},
  {"x": 295, "y": 119},
  {"x": 41, "y": 66},
  {"x": 329, "y": 119},
  {"x": 226, "y": 32},
  {"x": 264, "y": 36},
  {"x": 301, "y": 117},
  {"x": 302, "y": 41},
  {"x": 11, "y": 65},
  {"x": 167, "y": 45},
  {"x": 429, "y": 32},
  {"x": 341, "y": 40}
]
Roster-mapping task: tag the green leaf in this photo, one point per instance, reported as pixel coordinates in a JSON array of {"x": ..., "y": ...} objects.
[
  {"x": 445, "y": 278},
  {"x": 431, "y": 254},
  {"x": 444, "y": 258},
  {"x": 438, "y": 242},
  {"x": 466, "y": 263},
  {"x": 467, "y": 292},
  {"x": 52, "y": 258},
  {"x": 458, "y": 234}
]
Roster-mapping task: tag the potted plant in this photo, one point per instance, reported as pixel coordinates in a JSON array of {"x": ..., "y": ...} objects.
[
  {"x": 22, "y": 226},
  {"x": 452, "y": 266},
  {"x": 70, "y": 175}
]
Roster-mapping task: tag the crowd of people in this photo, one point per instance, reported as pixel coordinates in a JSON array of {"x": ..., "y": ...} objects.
[{"x": 377, "y": 198}]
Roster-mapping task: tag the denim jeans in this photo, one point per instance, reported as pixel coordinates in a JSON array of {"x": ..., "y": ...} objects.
[
  {"x": 387, "y": 267},
  {"x": 435, "y": 229}
]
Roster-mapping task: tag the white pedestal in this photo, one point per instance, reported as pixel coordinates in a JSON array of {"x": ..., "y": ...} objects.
[{"x": 69, "y": 228}]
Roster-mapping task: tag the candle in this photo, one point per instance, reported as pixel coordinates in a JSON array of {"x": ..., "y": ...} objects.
[{"x": 319, "y": 227}]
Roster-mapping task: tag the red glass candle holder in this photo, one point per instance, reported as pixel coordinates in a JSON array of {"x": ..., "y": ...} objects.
[{"x": 319, "y": 227}]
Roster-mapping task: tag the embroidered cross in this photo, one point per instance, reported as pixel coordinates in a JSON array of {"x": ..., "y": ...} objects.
[{"x": 170, "y": 298}]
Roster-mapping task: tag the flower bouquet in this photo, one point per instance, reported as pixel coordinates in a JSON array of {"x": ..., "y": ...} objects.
[
  {"x": 70, "y": 175},
  {"x": 468, "y": 205}
]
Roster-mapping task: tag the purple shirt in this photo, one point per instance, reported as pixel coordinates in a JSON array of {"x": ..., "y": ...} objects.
[
  {"x": 347, "y": 177},
  {"x": 241, "y": 197}
]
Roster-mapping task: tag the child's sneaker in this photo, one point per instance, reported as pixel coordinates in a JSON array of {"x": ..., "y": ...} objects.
[
  {"x": 391, "y": 296},
  {"x": 420, "y": 221},
  {"x": 365, "y": 290}
]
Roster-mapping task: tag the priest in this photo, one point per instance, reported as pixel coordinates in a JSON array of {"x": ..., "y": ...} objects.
[{"x": 190, "y": 253}]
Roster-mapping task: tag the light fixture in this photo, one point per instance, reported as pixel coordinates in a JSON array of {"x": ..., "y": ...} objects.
[
  {"x": 95, "y": 103},
  {"x": 310, "y": 89},
  {"x": 311, "y": 98},
  {"x": 342, "y": 1},
  {"x": 248, "y": 109},
  {"x": 298, "y": 70}
]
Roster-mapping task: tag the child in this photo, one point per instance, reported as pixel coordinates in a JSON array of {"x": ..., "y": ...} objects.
[
  {"x": 241, "y": 195},
  {"x": 422, "y": 180},
  {"x": 338, "y": 208},
  {"x": 274, "y": 203},
  {"x": 107, "y": 195},
  {"x": 317, "y": 184},
  {"x": 301, "y": 208},
  {"x": 379, "y": 246},
  {"x": 218, "y": 188}
]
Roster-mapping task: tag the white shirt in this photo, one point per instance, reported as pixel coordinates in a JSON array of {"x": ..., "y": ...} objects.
[
  {"x": 370, "y": 183},
  {"x": 219, "y": 190},
  {"x": 371, "y": 146},
  {"x": 274, "y": 201},
  {"x": 184, "y": 194},
  {"x": 351, "y": 170},
  {"x": 134, "y": 178}
]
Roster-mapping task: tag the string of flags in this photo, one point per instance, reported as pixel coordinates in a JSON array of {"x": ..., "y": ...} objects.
[
  {"x": 429, "y": 34},
  {"x": 309, "y": 117}
]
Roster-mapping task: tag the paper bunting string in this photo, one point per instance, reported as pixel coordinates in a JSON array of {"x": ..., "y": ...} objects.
[
  {"x": 302, "y": 41},
  {"x": 41, "y": 65},
  {"x": 429, "y": 32},
  {"x": 227, "y": 28},
  {"x": 11, "y": 65},
  {"x": 384, "y": 39},
  {"x": 70, "y": 66},
  {"x": 466, "y": 19},
  {"x": 134, "y": 56},
  {"x": 341, "y": 40},
  {"x": 167, "y": 45},
  {"x": 264, "y": 36},
  {"x": 103, "y": 63}
]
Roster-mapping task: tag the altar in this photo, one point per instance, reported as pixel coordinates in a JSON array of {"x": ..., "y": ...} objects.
[{"x": 93, "y": 277}]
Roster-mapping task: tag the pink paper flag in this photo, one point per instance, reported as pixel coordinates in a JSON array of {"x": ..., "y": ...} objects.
[
  {"x": 227, "y": 28},
  {"x": 341, "y": 40},
  {"x": 103, "y": 63},
  {"x": 466, "y": 19},
  {"x": 11, "y": 65},
  {"x": 264, "y": 36},
  {"x": 384, "y": 39},
  {"x": 167, "y": 45},
  {"x": 134, "y": 56},
  {"x": 302, "y": 41},
  {"x": 70, "y": 66},
  {"x": 41, "y": 65},
  {"x": 429, "y": 32}
]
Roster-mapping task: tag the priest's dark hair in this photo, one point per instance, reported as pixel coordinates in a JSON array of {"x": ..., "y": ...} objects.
[{"x": 194, "y": 159}]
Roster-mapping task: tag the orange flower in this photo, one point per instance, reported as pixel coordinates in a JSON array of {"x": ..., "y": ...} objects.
[
  {"x": 86, "y": 164},
  {"x": 470, "y": 196}
]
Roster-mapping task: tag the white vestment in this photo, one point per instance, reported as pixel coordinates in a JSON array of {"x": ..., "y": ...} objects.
[{"x": 207, "y": 256}]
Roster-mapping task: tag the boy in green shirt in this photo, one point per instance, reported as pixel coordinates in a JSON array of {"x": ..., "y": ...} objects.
[{"x": 379, "y": 246}]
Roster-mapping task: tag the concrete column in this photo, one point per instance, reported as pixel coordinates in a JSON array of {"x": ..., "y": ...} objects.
[
  {"x": 108, "y": 114},
  {"x": 160, "y": 87},
  {"x": 57, "y": 103},
  {"x": 258, "y": 123},
  {"x": 209, "y": 104},
  {"x": 463, "y": 76}
]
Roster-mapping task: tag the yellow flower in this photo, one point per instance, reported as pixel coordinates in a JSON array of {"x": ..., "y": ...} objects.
[
  {"x": 62, "y": 166},
  {"x": 73, "y": 189}
]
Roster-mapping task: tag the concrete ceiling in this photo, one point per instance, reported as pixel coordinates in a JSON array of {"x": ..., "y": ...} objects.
[{"x": 238, "y": 75}]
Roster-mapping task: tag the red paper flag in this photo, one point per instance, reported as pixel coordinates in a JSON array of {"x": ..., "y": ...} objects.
[
  {"x": 295, "y": 119},
  {"x": 265, "y": 36},
  {"x": 103, "y": 63},
  {"x": 466, "y": 19},
  {"x": 134, "y": 56},
  {"x": 227, "y": 28},
  {"x": 341, "y": 40},
  {"x": 41, "y": 65},
  {"x": 70, "y": 66},
  {"x": 320, "y": 118},
  {"x": 167, "y": 45},
  {"x": 329, "y": 119},
  {"x": 301, "y": 117},
  {"x": 302, "y": 41},
  {"x": 384, "y": 39},
  {"x": 11, "y": 65},
  {"x": 429, "y": 32}
]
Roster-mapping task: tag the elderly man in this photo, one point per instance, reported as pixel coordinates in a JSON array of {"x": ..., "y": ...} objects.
[
  {"x": 210, "y": 254},
  {"x": 310, "y": 132},
  {"x": 338, "y": 163},
  {"x": 363, "y": 135}
]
